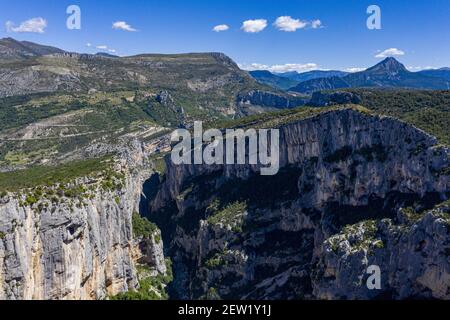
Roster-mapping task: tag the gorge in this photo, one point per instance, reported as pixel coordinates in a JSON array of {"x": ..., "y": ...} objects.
[{"x": 354, "y": 189}]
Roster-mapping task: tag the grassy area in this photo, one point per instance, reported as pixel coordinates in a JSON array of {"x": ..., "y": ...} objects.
[{"x": 46, "y": 175}]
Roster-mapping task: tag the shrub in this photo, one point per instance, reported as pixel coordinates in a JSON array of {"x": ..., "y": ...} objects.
[{"x": 142, "y": 227}]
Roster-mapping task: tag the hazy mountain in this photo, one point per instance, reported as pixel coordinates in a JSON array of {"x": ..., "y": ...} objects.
[
  {"x": 13, "y": 49},
  {"x": 319, "y": 84},
  {"x": 315, "y": 74},
  {"x": 104, "y": 54},
  {"x": 273, "y": 80},
  {"x": 443, "y": 73},
  {"x": 287, "y": 80},
  {"x": 389, "y": 73}
]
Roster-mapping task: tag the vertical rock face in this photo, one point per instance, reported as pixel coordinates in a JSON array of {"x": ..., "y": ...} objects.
[
  {"x": 68, "y": 252},
  {"x": 76, "y": 240},
  {"x": 236, "y": 234},
  {"x": 412, "y": 254}
]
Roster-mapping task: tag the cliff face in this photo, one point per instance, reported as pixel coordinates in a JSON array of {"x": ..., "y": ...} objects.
[
  {"x": 412, "y": 253},
  {"x": 270, "y": 99},
  {"x": 236, "y": 234},
  {"x": 73, "y": 247}
]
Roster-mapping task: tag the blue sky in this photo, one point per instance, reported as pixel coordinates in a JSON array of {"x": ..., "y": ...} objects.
[{"x": 418, "y": 30}]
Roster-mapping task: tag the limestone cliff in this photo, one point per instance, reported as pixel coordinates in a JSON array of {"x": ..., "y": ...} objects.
[
  {"x": 74, "y": 241},
  {"x": 412, "y": 252},
  {"x": 235, "y": 234}
]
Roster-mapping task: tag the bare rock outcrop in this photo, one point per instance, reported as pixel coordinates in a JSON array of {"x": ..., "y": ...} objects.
[{"x": 256, "y": 237}]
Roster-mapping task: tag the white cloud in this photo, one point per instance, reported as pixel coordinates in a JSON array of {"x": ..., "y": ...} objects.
[
  {"x": 419, "y": 68},
  {"x": 112, "y": 50},
  {"x": 254, "y": 26},
  {"x": 280, "y": 68},
  {"x": 102, "y": 47},
  {"x": 122, "y": 25},
  {"x": 88, "y": 44},
  {"x": 221, "y": 27},
  {"x": 35, "y": 25},
  {"x": 288, "y": 24},
  {"x": 391, "y": 52},
  {"x": 316, "y": 24},
  {"x": 354, "y": 69}
]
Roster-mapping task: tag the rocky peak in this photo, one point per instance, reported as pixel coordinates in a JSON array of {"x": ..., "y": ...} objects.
[{"x": 389, "y": 65}]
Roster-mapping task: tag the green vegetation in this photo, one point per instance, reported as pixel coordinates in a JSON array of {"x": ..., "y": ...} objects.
[
  {"x": 427, "y": 110},
  {"x": 2, "y": 235},
  {"x": 361, "y": 236},
  {"x": 159, "y": 164},
  {"x": 150, "y": 287},
  {"x": 46, "y": 175},
  {"x": 142, "y": 227},
  {"x": 278, "y": 118},
  {"x": 411, "y": 214},
  {"x": 216, "y": 261},
  {"x": 230, "y": 215},
  {"x": 415, "y": 215},
  {"x": 212, "y": 294}
]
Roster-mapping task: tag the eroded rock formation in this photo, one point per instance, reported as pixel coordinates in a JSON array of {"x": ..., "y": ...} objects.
[{"x": 235, "y": 234}]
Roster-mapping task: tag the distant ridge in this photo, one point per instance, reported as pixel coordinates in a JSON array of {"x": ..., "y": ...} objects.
[
  {"x": 389, "y": 73},
  {"x": 276, "y": 81},
  {"x": 13, "y": 49},
  {"x": 315, "y": 74},
  {"x": 443, "y": 73}
]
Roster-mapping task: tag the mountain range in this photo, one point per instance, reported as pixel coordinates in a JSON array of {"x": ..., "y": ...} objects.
[
  {"x": 287, "y": 80},
  {"x": 389, "y": 73},
  {"x": 62, "y": 101},
  {"x": 310, "y": 75},
  {"x": 206, "y": 83}
]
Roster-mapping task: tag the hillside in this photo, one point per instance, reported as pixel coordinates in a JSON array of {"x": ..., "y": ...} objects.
[
  {"x": 11, "y": 49},
  {"x": 427, "y": 110},
  {"x": 58, "y": 106},
  {"x": 196, "y": 81}
]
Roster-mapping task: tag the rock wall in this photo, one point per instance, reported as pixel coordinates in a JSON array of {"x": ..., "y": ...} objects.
[
  {"x": 68, "y": 252},
  {"x": 270, "y": 99},
  {"x": 412, "y": 254},
  {"x": 75, "y": 241},
  {"x": 236, "y": 234}
]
